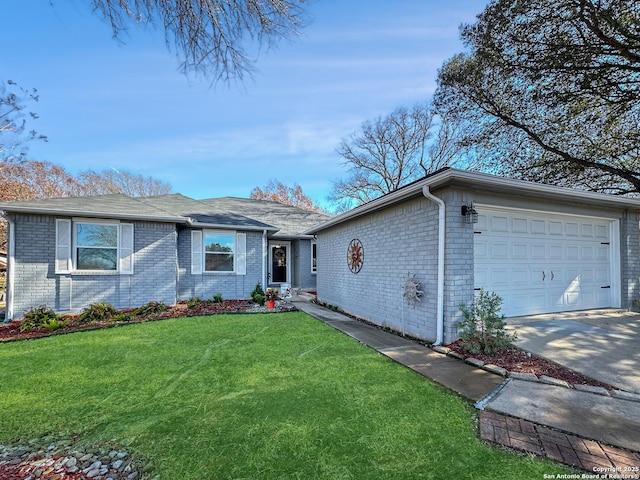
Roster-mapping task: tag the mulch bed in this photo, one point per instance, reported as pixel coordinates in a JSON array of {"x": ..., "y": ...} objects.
[
  {"x": 514, "y": 359},
  {"x": 11, "y": 331}
]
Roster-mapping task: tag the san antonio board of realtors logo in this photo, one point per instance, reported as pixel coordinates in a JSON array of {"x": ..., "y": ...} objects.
[{"x": 355, "y": 255}]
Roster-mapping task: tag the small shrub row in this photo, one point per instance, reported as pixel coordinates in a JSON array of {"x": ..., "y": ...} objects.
[
  {"x": 45, "y": 317},
  {"x": 193, "y": 302},
  {"x": 41, "y": 316}
]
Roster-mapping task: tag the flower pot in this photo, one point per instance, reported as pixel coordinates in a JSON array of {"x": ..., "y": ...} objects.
[{"x": 271, "y": 304}]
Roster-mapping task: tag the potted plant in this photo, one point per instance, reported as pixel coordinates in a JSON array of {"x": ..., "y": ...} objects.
[{"x": 270, "y": 297}]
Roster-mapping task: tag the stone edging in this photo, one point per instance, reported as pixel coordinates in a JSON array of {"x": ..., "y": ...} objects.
[{"x": 532, "y": 377}]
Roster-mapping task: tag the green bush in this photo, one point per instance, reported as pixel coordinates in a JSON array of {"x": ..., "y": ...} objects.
[
  {"x": 54, "y": 324},
  {"x": 482, "y": 329},
  {"x": 217, "y": 298},
  {"x": 121, "y": 317},
  {"x": 258, "y": 295},
  {"x": 150, "y": 308},
  {"x": 193, "y": 302},
  {"x": 97, "y": 312},
  {"x": 38, "y": 317},
  {"x": 259, "y": 299}
]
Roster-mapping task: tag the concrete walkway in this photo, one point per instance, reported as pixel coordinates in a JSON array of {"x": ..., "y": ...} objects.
[{"x": 578, "y": 428}]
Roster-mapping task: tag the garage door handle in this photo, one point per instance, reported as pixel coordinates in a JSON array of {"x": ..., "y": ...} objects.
[
  {"x": 543, "y": 275},
  {"x": 552, "y": 275}
]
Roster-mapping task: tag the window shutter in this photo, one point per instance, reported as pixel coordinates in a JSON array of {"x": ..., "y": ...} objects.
[
  {"x": 241, "y": 254},
  {"x": 63, "y": 245},
  {"x": 197, "y": 250},
  {"x": 126, "y": 248}
]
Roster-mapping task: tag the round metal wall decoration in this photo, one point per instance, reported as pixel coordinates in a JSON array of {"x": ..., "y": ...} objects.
[{"x": 355, "y": 255}]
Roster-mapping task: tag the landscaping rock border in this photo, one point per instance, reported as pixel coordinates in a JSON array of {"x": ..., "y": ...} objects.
[
  {"x": 532, "y": 377},
  {"x": 52, "y": 458}
]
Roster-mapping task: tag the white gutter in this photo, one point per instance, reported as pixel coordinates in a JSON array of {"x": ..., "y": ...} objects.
[
  {"x": 441, "y": 245},
  {"x": 264, "y": 259},
  {"x": 11, "y": 252}
]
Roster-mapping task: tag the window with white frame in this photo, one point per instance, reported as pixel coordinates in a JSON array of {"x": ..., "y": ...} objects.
[
  {"x": 93, "y": 246},
  {"x": 96, "y": 246},
  {"x": 219, "y": 251}
]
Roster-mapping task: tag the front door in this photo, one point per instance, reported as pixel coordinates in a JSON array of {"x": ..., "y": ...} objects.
[{"x": 279, "y": 260}]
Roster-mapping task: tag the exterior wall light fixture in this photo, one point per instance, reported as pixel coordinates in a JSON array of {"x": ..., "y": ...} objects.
[{"x": 469, "y": 213}]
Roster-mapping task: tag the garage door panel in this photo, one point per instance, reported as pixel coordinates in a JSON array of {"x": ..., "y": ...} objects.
[
  {"x": 521, "y": 276},
  {"x": 602, "y": 252},
  {"x": 520, "y": 225},
  {"x": 555, "y": 252},
  {"x": 602, "y": 232},
  {"x": 587, "y": 230},
  {"x": 543, "y": 263},
  {"x": 555, "y": 228},
  {"x": 572, "y": 229},
  {"x": 499, "y": 250},
  {"x": 519, "y": 251},
  {"x": 499, "y": 277},
  {"x": 499, "y": 224},
  {"x": 538, "y": 252}
]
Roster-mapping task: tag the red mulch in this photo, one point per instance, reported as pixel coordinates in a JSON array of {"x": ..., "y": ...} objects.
[
  {"x": 514, "y": 359},
  {"x": 11, "y": 331}
]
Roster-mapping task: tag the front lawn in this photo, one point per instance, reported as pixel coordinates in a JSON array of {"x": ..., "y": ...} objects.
[{"x": 247, "y": 396}]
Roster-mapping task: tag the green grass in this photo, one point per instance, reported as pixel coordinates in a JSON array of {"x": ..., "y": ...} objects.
[{"x": 247, "y": 396}]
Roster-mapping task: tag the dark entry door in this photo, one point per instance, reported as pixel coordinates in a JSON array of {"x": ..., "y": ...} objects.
[{"x": 279, "y": 257}]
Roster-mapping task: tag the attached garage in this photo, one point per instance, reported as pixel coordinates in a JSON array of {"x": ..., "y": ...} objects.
[
  {"x": 541, "y": 262},
  {"x": 542, "y": 248}
]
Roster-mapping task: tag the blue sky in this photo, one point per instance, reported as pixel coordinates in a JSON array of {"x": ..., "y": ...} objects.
[{"x": 125, "y": 105}]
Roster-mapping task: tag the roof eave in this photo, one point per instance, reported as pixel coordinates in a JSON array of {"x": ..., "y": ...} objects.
[
  {"x": 223, "y": 226},
  {"x": 470, "y": 179},
  {"x": 85, "y": 214}
]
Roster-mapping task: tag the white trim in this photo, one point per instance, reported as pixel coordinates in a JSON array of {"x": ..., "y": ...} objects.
[
  {"x": 232, "y": 233},
  {"x": 74, "y": 245},
  {"x": 11, "y": 261},
  {"x": 614, "y": 258},
  {"x": 197, "y": 252},
  {"x": 126, "y": 248},
  {"x": 64, "y": 246},
  {"x": 240, "y": 255}
]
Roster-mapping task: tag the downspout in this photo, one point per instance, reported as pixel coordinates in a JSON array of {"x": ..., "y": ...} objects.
[
  {"x": 264, "y": 259},
  {"x": 441, "y": 245},
  {"x": 11, "y": 249}
]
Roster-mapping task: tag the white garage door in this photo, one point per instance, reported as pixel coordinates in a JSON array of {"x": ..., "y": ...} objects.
[{"x": 542, "y": 263}]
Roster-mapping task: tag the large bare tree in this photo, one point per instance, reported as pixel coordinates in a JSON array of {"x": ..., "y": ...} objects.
[
  {"x": 120, "y": 181},
  {"x": 14, "y": 115},
  {"x": 391, "y": 151},
  {"x": 212, "y": 37},
  {"x": 550, "y": 90}
]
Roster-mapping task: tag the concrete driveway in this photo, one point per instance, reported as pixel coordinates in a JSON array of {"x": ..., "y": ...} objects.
[{"x": 601, "y": 344}]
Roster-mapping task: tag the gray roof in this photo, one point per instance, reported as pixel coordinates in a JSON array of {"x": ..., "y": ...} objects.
[
  {"x": 203, "y": 215},
  {"x": 291, "y": 221},
  {"x": 227, "y": 212},
  {"x": 104, "y": 206}
]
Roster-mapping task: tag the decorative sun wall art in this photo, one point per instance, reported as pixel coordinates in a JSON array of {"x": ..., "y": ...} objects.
[
  {"x": 355, "y": 255},
  {"x": 412, "y": 290}
]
